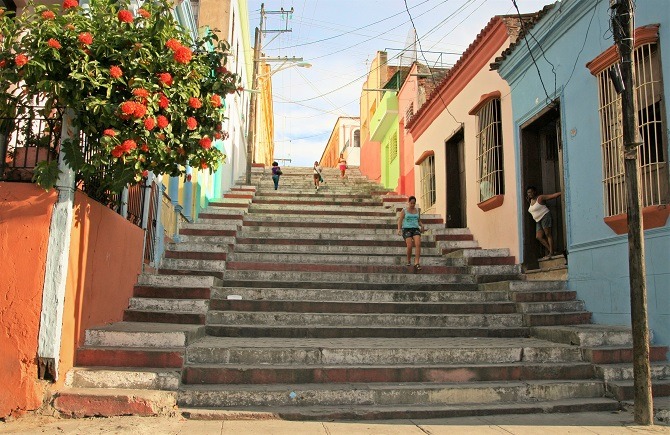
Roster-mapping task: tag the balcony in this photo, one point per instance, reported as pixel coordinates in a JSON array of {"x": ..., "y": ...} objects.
[{"x": 384, "y": 117}]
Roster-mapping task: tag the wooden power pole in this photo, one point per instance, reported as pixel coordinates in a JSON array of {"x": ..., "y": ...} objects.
[
  {"x": 251, "y": 135},
  {"x": 622, "y": 27}
]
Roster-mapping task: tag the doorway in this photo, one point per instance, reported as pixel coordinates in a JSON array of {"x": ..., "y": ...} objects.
[
  {"x": 455, "y": 170},
  {"x": 542, "y": 167}
]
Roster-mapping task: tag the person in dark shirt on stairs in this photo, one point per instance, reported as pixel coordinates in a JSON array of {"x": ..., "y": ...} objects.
[{"x": 276, "y": 172}]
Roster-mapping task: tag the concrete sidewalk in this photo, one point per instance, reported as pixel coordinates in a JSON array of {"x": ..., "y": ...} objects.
[{"x": 544, "y": 424}]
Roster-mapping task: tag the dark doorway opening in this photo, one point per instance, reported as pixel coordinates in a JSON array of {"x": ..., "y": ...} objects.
[
  {"x": 455, "y": 161},
  {"x": 542, "y": 167}
]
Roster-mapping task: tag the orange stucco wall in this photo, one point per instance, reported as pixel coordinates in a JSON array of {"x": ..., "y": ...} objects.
[
  {"x": 25, "y": 213},
  {"x": 105, "y": 259}
]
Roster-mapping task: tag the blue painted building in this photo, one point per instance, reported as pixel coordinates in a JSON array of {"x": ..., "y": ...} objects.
[{"x": 568, "y": 137}]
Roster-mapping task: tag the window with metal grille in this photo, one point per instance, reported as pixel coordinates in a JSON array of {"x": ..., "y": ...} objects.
[
  {"x": 357, "y": 139},
  {"x": 393, "y": 147},
  {"x": 652, "y": 157},
  {"x": 428, "y": 182},
  {"x": 489, "y": 151}
]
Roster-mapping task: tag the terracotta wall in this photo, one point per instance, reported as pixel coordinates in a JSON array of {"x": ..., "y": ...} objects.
[
  {"x": 105, "y": 259},
  {"x": 25, "y": 212}
]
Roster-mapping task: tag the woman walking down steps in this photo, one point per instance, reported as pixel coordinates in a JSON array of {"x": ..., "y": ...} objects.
[{"x": 410, "y": 227}]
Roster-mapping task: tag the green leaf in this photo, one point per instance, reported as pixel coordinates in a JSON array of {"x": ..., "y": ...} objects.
[
  {"x": 73, "y": 155},
  {"x": 46, "y": 174}
]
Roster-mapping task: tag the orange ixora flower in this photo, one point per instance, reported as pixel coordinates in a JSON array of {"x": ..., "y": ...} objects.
[
  {"x": 163, "y": 101},
  {"x": 149, "y": 123},
  {"x": 115, "y": 72},
  {"x": 162, "y": 121},
  {"x": 140, "y": 111},
  {"x": 165, "y": 78},
  {"x": 143, "y": 13},
  {"x": 48, "y": 15},
  {"x": 140, "y": 92},
  {"x": 21, "y": 59},
  {"x": 191, "y": 123},
  {"x": 173, "y": 44},
  {"x": 125, "y": 16},
  {"x": 216, "y": 100},
  {"x": 195, "y": 103},
  {"x": 85, "y": 38},
  {"x": 183, "y": 55},
  {"x": 128, "y": 107},
  {"x": 69, "y": 4},
  {"x": 109, "y": 132},
  {"x": 205, "y": 142},
  {"x": 53, "y": 43}
]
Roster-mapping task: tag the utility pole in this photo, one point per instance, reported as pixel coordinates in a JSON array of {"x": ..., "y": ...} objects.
[
  {"x": 622, "y": 27},
  {"x": 251, "y": 137}
]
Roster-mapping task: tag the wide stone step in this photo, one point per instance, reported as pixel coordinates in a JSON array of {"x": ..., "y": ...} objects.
[
  {"x": 497, "y": 307},
  {"x": 277, "y": 281},
  {"x": 335, "y": 248},
  {"x": 148, "y": 291},
  {"x": 624, "y": 371},
  {"x": 544, "y": 307},
  {"x": 586, "y": 335},
  {"x": 135, "y": 378},
  {"x": 327, "y": 331},
  {"x": 142, "y": 334},
  {"x": 521, "y": 286},
  {"x": 210, "y": 224},
  {"x": 343, "y": 258},
  {"x": 620, "y": 354},
  {"x": 317, "y": 199},
  {"x": 568, "y": 318},
  {"x": 366, "y": 351},
  {"x": 207, "y": 240},
  {"x": 97, "y": 402},
  {"x": 227, "y": 396},
  {"x": 297, "y": 237},
  {"x": 177, "y": 280},
  {"x": 259, "y": 220},
  {"x": 203, "y": 254},
  {"x": 390, "y": 412},
  {"x": 328, "y": 209},
  {"x": 195, "y": 264},
  {"x": 448, "y": 273},
  {"x": 169, "y": 305},
  {"x": 341, "y": 277},
  {"x": 197, "y": 247},
  {"x": 232, "y": 318},
  {"x": 624, "y": 390},
  {"x": 342, "y": 373}
]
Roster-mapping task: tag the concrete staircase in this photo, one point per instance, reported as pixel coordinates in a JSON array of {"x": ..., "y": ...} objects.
[{"x": 297, "y": 304}]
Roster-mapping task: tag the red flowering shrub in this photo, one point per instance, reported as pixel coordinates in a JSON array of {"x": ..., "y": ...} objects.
[
  {"x": 165, "y": 78},
  {"x": 195, "y": 103},
  {"x": 85, "y": 38},
  {"x": 115, "y": 72},
  {"x": 183, "y": 55},
  {"x": 113, "y": 91},
  {"x": 125, "y": 16}
]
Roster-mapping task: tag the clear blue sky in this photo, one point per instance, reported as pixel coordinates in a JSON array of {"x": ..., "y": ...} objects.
[{"x": 340, "y": 38}]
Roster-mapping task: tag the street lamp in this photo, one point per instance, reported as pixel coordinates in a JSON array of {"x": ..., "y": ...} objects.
[{"x": 285, "y": 63}]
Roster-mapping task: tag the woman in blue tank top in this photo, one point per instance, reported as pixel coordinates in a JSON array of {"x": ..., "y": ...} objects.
[{"x": 410, "y": 227}]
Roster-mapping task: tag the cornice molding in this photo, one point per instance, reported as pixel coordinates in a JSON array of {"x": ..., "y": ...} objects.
[{"x": 643, "y": 35}]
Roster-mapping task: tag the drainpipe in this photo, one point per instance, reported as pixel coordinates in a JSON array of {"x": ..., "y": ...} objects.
[
  {"x": 58, "y": 250},
  {"x": 188, "y": 195}
]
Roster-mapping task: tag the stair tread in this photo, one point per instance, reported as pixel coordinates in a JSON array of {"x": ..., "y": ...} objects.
[{"x": 146, "y": 327}]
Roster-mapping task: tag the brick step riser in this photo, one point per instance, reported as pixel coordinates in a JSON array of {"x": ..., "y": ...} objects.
[
  {"x": 145, "y": 291},
  {"x": 426, "y": 395},
  {"x": 376, "y": 331},
  {"x": 410, "y": 286},
  {"x": 523, "y": 286},
  {"x": 549, "y": 319},
  {"x": 386, "y": 356},
  {"x": 184, "y": 263},
  {"x": 110, "y": 357},
  {"x": 550, "y": 307},
  {"x": 501, "y": 372},
  {"x": 627, "y": 392},
  {"x": 352, "y": 258},
  {"x": 335, "y": 249},
  {"x": 255, "y": 212},
  {"x": 232, "y": 318},
  {"x": 619, "y": 372},
  {"x": 196, "y": 255},
  {"x": 317, "y": 200},
  {"x": 361, "y": 308},
  {"x": 544, "y": 296},
  {"x": 345, "y": 240},
  {"x": 622, "y": 355},
  {"x": 164, "y": 317}
]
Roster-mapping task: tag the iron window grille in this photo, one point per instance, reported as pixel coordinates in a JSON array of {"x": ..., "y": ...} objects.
[
  {"x": 652, "y": 154},
  {"x": 490, "y": 151},
  {"x": 428, "y": 196}
]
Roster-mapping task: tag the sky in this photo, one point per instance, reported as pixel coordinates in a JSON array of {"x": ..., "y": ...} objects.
[{"x": 339, "y": 38}]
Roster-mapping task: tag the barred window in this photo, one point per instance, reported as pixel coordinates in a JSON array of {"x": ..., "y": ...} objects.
[
  {"x": 652, "y": 158},
  {"x": 393, "y": 147},
  {"x": 490, "y": 152},
  {"x": 428, "y": 182},
  {"x": 357, "y": 139}
]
